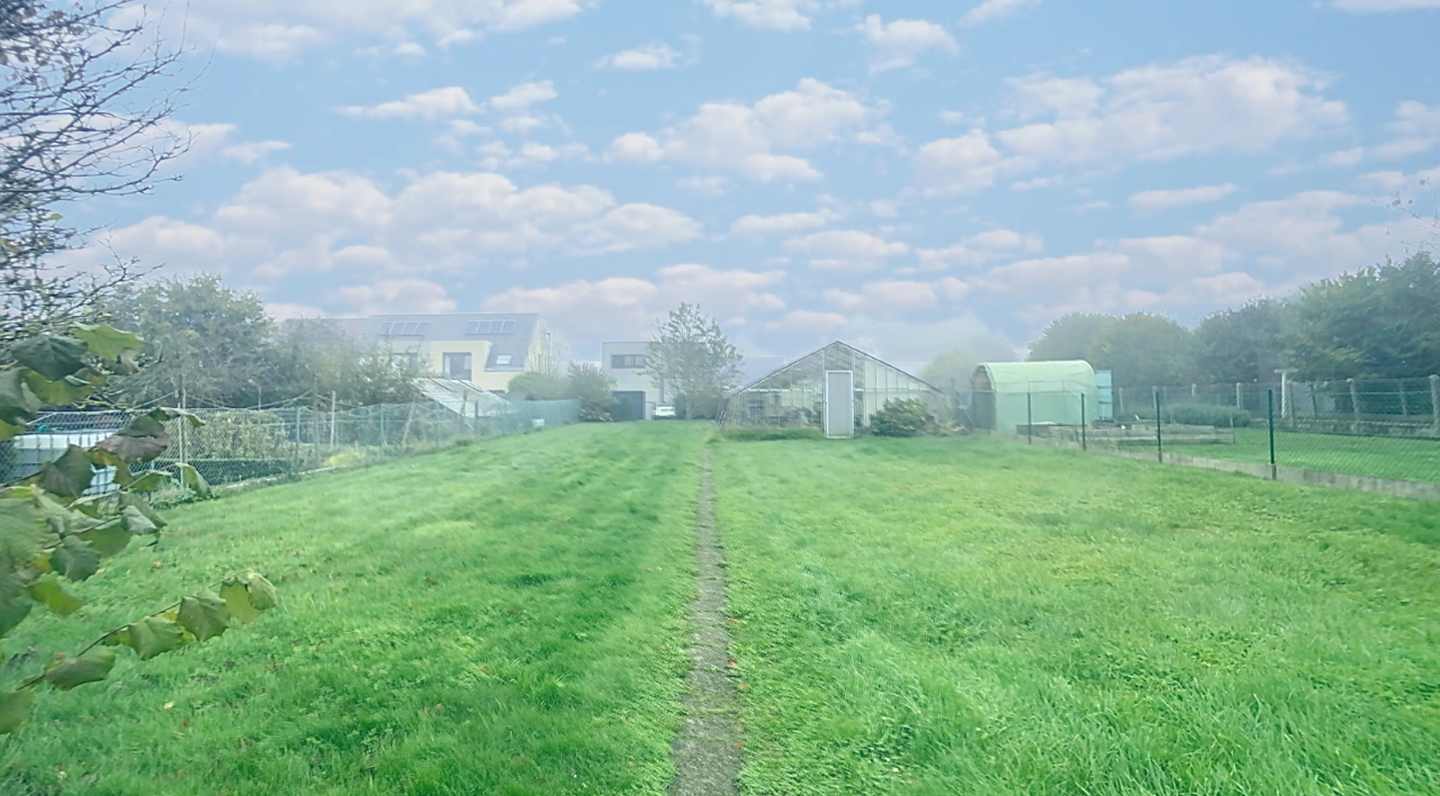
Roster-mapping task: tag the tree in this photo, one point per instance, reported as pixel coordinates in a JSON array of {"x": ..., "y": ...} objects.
[
  {"x": 216, "y": 343},
  {"x": 693, "y": 357},
  {"x": 1144, "y": 350},
  {"x": 594, "y": 389},
  {"x": 532, "y": 386},
  {"x": 1070, "y": 337},
  {"x": 1241, "y": 345},
  {"x": 1379, "y": 322},
  {"x": 87, "y": 114}
]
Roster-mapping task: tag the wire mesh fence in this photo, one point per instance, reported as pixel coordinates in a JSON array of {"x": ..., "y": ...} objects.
[
  {"x": 243, "y": 444},
  {"x": 1387, "y": 429}
]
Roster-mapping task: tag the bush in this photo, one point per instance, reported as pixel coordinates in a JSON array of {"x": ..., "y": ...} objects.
[
  {"x": 905, "y": 418},
  {"x": 1202, "y": 415},
  {"x": 765, "y": 434}
]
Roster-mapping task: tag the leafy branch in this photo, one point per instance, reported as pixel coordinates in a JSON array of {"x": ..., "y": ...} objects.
[{"x": 52, "y": 531}]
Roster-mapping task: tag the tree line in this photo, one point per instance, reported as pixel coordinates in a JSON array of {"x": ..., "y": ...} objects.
[{"x": 1379, "y": 322}]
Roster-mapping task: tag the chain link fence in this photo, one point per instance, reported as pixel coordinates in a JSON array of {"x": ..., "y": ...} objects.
[
  {"x": 243, "y": 444},
  {"x": 1384, "y": 428}
]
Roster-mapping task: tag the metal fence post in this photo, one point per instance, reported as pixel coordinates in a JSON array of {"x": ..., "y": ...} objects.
[
  {"x": 1084, "y": 442},
  {"x": 1435, "y": 403},
  {"x": 1029, "y": 419},
  {"x": 1239, "y": 395},
  {"x": 1120, "y": 402},
  {"x": 1270, "y": 421},
  {"x": 1159, "y": 439},
  {"x": 1355, "y": 404}
]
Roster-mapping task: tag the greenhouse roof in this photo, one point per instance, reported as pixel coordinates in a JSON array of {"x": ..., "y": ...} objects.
[
  {"x": 837, "y": 344},
  {"x": 1037, "y": 376}
]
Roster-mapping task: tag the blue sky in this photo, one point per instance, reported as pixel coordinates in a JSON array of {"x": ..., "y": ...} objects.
[{"x": 907, "y": 176}]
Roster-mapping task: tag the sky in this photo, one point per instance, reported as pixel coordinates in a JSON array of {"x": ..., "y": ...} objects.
[{"x": 908, "y": 176}]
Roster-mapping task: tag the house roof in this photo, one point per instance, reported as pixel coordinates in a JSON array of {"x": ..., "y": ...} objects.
[
  {"x": 454, "y": 327},
  {"x": 1020, "y": 377}
]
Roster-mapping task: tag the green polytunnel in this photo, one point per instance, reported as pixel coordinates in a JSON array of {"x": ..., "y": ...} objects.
[{"x": 1007, "y": 395}]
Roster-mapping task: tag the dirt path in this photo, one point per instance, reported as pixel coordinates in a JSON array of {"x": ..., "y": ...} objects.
[{"x": 707, "y": 750}]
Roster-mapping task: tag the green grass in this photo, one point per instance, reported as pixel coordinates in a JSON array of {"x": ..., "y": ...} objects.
[
  {"x": 764, "y": 434},
  {"x": 970, "y": 616},
  {"x": 503, "y": 618},
  {"x": 1380, "y": 457}
]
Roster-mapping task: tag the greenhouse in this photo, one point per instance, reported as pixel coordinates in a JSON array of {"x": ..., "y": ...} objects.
[
  {"x": 795, "y": 396},
  {"x": 1009, "y": 395}
]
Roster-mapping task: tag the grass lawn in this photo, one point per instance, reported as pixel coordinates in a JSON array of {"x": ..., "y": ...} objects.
[
  {"x": 1381, "y": 457},
  {"x": 971, "y": 616},
  {"x": 504, "y": 618}
]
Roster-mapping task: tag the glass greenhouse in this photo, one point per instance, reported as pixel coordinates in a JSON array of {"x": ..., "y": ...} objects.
[{"x": 794, "y": 396}]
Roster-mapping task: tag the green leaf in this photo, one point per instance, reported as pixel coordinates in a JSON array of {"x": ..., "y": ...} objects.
[
  {"x": 18, "y": 403},
  {"x": 129, "y": 500},
  {"x": 13, "y": 611},
  {"x": 196, "y": 482},
  {"x": 151, "y": 481},
  {"x": 262, "y": 591},
  {"x": 141, "y": 441},
  {"x": 52, "y": 357},
  {"x": 70, "y": 475},
  {"x": 205, "y": 615},
  {"x": 107, "y": 342},
  {"x": 54, "y": 596},
  {"x": 15, "y": 709},
  {"x": 237, "y": 598},
  {"x": 59, "y": 516},
  {"x": 152, "y": 636},
  {"x": 75, "y": 558},
  {"x": 111, "y": 540},
  {"x": 103, "y": 458},
  {"x": 166, "y": 415},
  {"x": 10, "y": 430},
  {"x": 62, "y": 392},
  {"x": 91, "y": 667}
]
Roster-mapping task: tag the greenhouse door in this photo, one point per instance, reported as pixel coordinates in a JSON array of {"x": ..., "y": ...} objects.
[{"x": 839, "y": 403}]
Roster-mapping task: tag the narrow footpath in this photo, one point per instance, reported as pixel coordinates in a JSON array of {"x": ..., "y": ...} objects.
[{"x": 707, "y": 749}]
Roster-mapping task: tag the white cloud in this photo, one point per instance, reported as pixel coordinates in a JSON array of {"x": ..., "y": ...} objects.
[
  {"x": 754, "y": 141},
  {"x": 434, "y": 104},
  {"x": 252, "y": 153},
  {"x": 783, "y": 224},
  {"x": 782, "y": 15},
  {"x": 282, "y": 30},
  {"x": 809, "y": 321},
  {"x": 1365, "y": 6},
  {"x": 645, "y": 58},
  {"x": 959, "y": 165},
  {"x": 498, "y": 156},
  {"x": 286, "y": 222},
  {"x": 899, "y": 43},
  {"x": 627, "y": 307},
  {"x": 845, "y": 250},
  {"x": 522, "y": 97},
  {"x": 1197, "y": 106},
  {"x": 1155, "y": 201},
  {"x": 893, "y": 298},
  {"x": 982, "y": 249},
  {"x": 396, "y": 295},
  {"x": 995, "y": 9}
]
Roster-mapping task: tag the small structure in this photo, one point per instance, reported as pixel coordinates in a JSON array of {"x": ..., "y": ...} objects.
[
  {"x": 795, "y": 395},
  {"x": 485, "y": 349},
  {"x": 1009, "y": 395}
]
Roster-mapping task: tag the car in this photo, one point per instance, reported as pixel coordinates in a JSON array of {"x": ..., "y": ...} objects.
[{"x": 664, "y": 411}]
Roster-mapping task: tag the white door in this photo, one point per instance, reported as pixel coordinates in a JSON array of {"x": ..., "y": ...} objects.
[{"x": 839, "y": 403}]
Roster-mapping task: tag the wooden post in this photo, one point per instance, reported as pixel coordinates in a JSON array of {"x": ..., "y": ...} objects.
[{"x": 1355, "y": 405}]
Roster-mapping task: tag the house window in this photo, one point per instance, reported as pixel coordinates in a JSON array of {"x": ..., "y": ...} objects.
[
  {"x": 457, "y": 366},
  {"x": 627, "y": 361},
  {"x": 408, "y": 328},
  {"x": 490, "y": 327},
  {"x": 503, "y": 359}
]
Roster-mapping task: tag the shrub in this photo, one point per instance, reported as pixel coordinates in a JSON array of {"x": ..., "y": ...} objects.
[
  {"x": 903, "y": 418},
  {"x": 1202, "y": 415}
]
